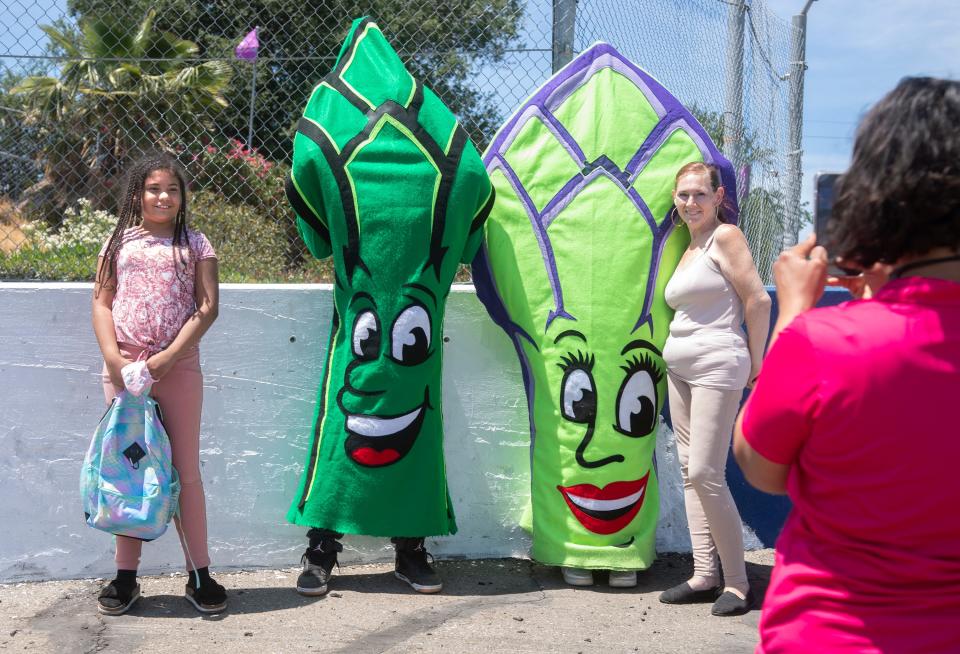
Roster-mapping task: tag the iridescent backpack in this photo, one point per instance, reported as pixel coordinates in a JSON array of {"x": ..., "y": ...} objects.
[{"x": 128, "y": 484}]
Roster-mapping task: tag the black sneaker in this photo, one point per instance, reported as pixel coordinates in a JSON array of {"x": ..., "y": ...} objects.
[
  {"x": 116, "y": 599},
  {"x": 318, "y": 568},
  {"x": 211, "y": 597},
  {"x": 413, "y": 566}
]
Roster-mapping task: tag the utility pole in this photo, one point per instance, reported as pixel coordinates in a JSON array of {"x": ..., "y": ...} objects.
[
  {"x": 564, "y": 23},
  {"x": 733, "y": 96},
  {"x": 798, "y": 65}
]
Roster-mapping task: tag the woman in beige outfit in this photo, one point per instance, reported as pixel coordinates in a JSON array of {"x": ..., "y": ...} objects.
[{"x": 714, "y": 290}]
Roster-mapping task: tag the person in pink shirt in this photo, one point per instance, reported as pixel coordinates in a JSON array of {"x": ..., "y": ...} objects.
[
  {"x": 854, "y": 414},
  {"x": 155, "y": 295}
]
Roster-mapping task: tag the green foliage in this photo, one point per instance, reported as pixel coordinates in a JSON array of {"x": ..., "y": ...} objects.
[
  {"x": 67, "y": 253},
  {"x": 75, "y": 263},
  {"x": 441, "y": 42},
  {"x": 82, "y": 227},
  {"x": 242, "y": 176},
  {"x": 123, "y": 88},
  {"x": 249, "y": 245},
  {"x": 129, "y": 74},
  {"x": 17, "y": 168},
  {"x": 239, "y": 175}
]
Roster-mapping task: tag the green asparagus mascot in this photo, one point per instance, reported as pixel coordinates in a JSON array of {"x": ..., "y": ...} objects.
[
  {"x": 577, "y": 251},
  {"x": 386, "y": 181}
]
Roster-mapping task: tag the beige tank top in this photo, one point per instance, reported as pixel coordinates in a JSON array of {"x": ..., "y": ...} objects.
[{"x": 707, "y": 345}]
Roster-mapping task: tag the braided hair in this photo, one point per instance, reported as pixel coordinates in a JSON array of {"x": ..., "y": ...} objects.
[{"x": 131, "y": 208}]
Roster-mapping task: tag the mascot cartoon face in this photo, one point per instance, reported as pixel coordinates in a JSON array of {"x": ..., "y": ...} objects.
[
  {"x": 386, "y": 181},
  {"x": 576, "y": 254}
]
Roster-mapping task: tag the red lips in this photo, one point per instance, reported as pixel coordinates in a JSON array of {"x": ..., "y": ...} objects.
[
  {"x": 368, "y": 456},
  {"x": 609, "y": 509}
]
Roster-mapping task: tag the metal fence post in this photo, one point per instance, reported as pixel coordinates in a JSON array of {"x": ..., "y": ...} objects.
[
  {"x": 564, "y": 23},
  {"x": 733, "y": 95},
  {"x": 798, "y": 64}
]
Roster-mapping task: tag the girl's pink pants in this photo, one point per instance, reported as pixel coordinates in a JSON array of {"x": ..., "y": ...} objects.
[{"x": 180, "y": 396}]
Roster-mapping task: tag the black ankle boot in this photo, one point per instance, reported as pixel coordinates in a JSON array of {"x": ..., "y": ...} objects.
[
  {"x": 413, "y": 565},
  {"x": 318, "y": 562}
]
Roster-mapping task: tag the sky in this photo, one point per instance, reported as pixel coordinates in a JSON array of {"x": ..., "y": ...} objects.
[{"x": 857, "y": 51}]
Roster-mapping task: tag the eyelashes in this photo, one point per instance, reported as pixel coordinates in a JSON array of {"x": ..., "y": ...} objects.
[
  {"x": 644, "y": 362},
  {"x": 578, "y": 361}
]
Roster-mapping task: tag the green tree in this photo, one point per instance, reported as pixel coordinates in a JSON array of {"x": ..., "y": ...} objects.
[
  {"x": 122, "y": 88},
  {"x": 17, "y": 143},
  {"x": 441, "y": 42}
]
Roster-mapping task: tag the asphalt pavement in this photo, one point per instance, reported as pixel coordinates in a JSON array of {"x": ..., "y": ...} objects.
[{"x": 487, "y": 606}]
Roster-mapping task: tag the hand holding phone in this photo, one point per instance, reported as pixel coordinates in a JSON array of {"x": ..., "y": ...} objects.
[{"x": 823, "y": 193}]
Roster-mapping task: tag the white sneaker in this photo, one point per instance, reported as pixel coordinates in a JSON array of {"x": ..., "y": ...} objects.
[
  {"x": 577, "y": 576},
  {"x": 623, "y": 578}
]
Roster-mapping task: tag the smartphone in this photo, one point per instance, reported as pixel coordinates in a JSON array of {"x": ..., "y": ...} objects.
[{"x": 823, "y": 193}]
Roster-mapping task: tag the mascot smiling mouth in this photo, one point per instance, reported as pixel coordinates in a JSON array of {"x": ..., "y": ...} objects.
[
  {"x": 376, "y": 441},
  {"x": 609, "y": 509}
]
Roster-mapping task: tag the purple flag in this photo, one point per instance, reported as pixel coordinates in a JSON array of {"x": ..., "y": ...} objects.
[{"x": 247, "y": 48}]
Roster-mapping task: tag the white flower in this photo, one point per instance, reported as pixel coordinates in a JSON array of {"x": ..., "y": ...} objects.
[{"x": 82, "y": 226}]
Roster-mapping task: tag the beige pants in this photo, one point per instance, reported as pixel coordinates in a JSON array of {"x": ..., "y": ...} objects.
[{"x": 703, "y": 424}]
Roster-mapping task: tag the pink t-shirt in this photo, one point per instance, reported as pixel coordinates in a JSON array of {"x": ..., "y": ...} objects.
[
  {"x": 155, "y": 292},
  {"x": 861, "y": 400}
]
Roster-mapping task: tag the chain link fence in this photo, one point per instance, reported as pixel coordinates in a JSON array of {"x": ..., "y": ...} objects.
[{"x": 88, "y": 85}]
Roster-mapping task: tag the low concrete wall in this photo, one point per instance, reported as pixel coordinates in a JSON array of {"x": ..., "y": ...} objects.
[{"x": 262, "y": 362}]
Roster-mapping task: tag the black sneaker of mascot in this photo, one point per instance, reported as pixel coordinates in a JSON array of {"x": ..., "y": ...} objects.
[{"x": 413, "y": 566}]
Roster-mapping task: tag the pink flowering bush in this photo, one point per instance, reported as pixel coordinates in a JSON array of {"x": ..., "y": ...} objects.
[{"x": 240, "y": 175}]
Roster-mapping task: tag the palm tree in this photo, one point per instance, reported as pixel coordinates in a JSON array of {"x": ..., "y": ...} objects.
[{"x": 120, "y": 90}]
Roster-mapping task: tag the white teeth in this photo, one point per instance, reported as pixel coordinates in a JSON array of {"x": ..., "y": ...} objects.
[
  {"x": 374, "y": 427},
  {"x": 605, "y": 505}
]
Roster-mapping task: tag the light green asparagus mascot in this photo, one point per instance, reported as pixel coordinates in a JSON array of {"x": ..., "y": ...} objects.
[{"x": 576, "y": 254}]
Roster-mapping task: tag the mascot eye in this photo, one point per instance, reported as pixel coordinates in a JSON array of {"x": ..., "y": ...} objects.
[
  {"x": 637, "y": 400},
  {"x": 578, "y": 399},
  {"x": 411, "y": 336},
  {"x": 366, "y": 336}
]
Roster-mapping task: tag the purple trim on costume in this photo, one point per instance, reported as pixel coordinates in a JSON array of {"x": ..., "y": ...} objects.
[
  {"x": 593, "y": 60},
  {"x": 553, "y": 126},
  {"x": 500, "y": 162},
  {"x": 660, "y": 238},
  {"x": 553, "y": 315},
  {"x": 563, "y": 135},
  {"x": 572, "y": 189},
  {"x": 528, "y": 388},
  {"x": 489, "y": 296},
  {"x": 673, "y": 115},
  {"x": 539, "y": 230},
  {"x": 644, "y": 209},
  {"x": 658, "y": 137}
]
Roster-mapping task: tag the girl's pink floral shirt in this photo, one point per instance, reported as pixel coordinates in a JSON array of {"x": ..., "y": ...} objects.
[{"x": 155, "y": 286}]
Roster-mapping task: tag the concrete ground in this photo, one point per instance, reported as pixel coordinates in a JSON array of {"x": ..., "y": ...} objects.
[{"x": 498, "y": 605}]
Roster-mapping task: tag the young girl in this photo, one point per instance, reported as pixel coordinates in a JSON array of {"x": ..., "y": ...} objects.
[{"x": 155, "y": 294}]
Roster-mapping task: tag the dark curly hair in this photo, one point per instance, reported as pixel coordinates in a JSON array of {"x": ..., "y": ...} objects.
[
  {"x": 131, "y": 213},
  {"x": 901, "y": 195}
]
